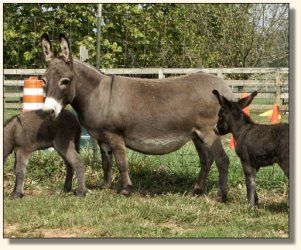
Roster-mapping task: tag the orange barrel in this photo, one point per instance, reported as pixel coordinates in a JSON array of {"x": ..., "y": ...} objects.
[
  {"x": 246, "y": 110},
  {"x": 33, "y": 96}
]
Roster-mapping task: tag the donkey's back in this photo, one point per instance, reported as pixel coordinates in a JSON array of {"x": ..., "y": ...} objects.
[
  {"x": 33, "y": 131},
  {"x": 265, "y": 145}
]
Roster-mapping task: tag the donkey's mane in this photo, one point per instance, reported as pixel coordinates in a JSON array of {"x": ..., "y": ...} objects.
[
  {"x": 89, "y": 72},
  {"x": 88, "y": 66},
  {"x": 39, "y": 112}
]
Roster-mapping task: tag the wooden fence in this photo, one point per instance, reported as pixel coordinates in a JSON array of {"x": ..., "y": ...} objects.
[{"x": 271, "y": 83}]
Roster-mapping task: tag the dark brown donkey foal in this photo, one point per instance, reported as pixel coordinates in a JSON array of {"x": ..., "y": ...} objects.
[
  {"x": 257, "y": 145},
  {"x": 30, "y": 131}
]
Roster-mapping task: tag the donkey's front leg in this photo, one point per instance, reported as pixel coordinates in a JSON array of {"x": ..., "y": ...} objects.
[
  {"x": 21, "y": 158},
  {"x": 250, "y": 176},
  {"x": 117, "y": 145}
]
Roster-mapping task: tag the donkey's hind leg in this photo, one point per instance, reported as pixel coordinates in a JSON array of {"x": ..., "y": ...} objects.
[
  {"x": 216, "y": 150},
  {"x": 222, "y": 163},
  {"x": 69, "y": 176},
  {"x": 206, "y": 161},
  {"x": 21, "y": 158},
  {"x": 73, "y": 159},
  {"x": 250, "y": 179},
  {"x": 106, "y": 158}
]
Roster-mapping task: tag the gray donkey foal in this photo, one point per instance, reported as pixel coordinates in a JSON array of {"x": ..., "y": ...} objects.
[
  {"x": 30, "y": 131},
  {"x": 257, "y": 145}
]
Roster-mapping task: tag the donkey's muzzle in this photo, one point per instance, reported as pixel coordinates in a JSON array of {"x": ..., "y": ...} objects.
[{"x": 52, "y": 107}]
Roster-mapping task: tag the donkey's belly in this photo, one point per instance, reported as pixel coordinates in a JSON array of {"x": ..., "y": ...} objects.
[{"x": 159, "y": 145}]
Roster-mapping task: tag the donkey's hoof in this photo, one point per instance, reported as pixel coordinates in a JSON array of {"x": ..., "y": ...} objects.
[
  {"x": 197, "y": 191},
  {"x": 253, "y": 206},
  {"x": 105, "y": 185},
  {"x": 221, "y": 198},
  {"x": 67, "y": 189},
  {"x": 81, "y": 193},
  {"x": 16, "y": 195},
  {"x": 126, "y": 191}
]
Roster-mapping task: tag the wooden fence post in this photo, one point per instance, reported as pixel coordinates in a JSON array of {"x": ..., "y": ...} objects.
[
  {"x": 160, "y": 73},
  {"x": 277, "y": 86},
  {"x": 220, "y": 73}
]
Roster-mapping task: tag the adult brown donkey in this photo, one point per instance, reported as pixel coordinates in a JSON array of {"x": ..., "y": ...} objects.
[{"x": 149, "y": 116}]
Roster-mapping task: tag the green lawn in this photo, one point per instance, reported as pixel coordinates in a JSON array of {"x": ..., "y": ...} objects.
[{"x": 161, "y": 204}]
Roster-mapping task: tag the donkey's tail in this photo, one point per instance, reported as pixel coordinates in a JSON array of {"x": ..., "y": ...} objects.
[{"x": 8, "y": 140}]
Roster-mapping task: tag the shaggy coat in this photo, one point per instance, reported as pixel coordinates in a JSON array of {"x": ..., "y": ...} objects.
[{"x": 257, "y": 145}]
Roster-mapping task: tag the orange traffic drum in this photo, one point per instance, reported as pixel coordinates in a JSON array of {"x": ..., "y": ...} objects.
[{"x": 33, "y": 96}]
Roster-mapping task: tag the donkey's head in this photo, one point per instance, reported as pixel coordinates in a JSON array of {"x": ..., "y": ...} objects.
[
  {"x": 60, "y": 89},
  {"x": 230, "y": 112}
]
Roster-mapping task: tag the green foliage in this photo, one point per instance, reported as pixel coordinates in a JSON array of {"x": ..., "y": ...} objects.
[{"x": 153, "y": 35}]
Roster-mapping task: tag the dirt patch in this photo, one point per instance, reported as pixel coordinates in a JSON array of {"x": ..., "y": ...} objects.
[
  {"x": 13, "y": 231},
  {"x": 9, "y": 230},
  {"x": 173, "y": 226},
  {"x": 77, "y": 232}
]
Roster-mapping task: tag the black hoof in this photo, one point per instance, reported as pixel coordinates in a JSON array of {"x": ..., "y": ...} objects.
[
  {"x": 197, "y": 192},
  {"x": 16, "y": 195},
  {"x": 221, "y": 197},
  {"x": 67, "y": 189}
]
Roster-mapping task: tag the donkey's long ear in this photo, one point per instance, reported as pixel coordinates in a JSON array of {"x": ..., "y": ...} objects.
[
  {"x": 66, "y": 52},
  {"x": 47, "y": 47},
  {"x": 244, "y": 102},
  {"x": 222, "y": 100}
]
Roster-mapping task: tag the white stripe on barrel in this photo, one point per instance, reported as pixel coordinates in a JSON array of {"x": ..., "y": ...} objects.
[
  {"x": 33, "y": 96},
  {"x": 32, "y": 106},
  {"x": 32, "y": 91}
]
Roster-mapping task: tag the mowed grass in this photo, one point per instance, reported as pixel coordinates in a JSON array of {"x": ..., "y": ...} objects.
[{"x": 161, "y": 205}]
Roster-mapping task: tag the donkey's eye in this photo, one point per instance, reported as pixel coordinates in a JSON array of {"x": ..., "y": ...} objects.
[
  {"x": 64, "y": 82},
  {"x": 44, "y": 82}
]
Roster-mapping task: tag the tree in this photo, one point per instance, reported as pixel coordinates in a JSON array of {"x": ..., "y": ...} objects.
[{"x": 153, "y": 35}]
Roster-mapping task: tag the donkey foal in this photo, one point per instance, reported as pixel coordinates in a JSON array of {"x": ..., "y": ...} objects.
[
  {"x": 256, "y": 145},
  {"x": 30, "y": 131}
]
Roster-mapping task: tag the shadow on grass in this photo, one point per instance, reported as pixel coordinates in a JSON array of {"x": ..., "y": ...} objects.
[
  {"x": 160, "y": 181},
  {"x": 277, "y": 208}
]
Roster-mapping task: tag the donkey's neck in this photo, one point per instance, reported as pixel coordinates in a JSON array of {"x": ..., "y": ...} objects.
[
  {"x": 237, "y": 127},
  {"x": 86, "y": 73},
  {"x": 90, "y": 84}
]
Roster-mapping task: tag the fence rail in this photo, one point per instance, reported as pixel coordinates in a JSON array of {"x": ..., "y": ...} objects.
[{"x": 271, "y": 83}]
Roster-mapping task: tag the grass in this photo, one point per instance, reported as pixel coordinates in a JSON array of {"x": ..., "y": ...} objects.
[{"x": 161, "y": 205}]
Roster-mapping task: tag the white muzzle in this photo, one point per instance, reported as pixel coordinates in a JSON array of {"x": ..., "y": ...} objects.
[{"x": 52, "y": 106}]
